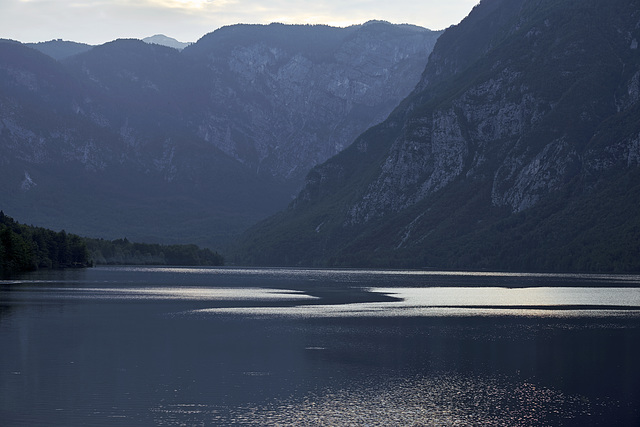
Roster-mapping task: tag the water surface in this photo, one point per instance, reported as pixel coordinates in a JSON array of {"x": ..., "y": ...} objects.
[{"x": 219, "y": 346}]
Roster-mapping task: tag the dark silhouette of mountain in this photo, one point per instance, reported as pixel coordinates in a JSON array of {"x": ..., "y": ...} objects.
[
  {"x": 60, "y": 49},
  {"x": 142, "y": 140},
  {"x": 519, "y": 149}
]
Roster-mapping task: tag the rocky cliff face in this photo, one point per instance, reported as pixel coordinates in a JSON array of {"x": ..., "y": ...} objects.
[
  {"x": 532, "y": 139},
  {"x": 524, "y": 105}
]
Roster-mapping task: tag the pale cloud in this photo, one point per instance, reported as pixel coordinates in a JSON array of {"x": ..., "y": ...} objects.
[
  {"x": 199, "y": 5},
  {"x": 99, "y": 21}
]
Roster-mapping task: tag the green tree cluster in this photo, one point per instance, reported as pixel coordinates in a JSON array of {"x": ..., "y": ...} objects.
[
  {"x": 28, "y": 248},
  {"x": 124, "y": 252}
]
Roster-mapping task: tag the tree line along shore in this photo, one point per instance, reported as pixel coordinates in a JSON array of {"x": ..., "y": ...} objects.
[{"x": 27, "y": 248}]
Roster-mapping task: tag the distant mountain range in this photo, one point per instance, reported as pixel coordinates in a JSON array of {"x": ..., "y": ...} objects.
[
  {"x": 138, "y": 140},
  {"x": 61, "y": 49},
  {"x": 519, "y": 149}
]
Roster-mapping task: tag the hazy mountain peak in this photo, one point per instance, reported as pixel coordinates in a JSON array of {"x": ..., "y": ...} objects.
[{"x": 163, "y": 40}]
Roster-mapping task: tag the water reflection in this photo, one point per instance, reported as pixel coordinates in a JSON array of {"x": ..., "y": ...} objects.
[
  {"x": 486, "y": 301},
  {"x": 159, "y": 293},
  {"x": 491, "y": 296},
  {"x": 444, "y": 399}
]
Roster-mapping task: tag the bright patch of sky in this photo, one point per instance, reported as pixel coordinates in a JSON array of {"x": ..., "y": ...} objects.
[{"x": 100, "y": 21}]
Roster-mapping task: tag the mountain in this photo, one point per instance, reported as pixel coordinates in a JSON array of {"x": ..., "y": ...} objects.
[
  {"x": 60, "y": 49},
  {"x": 163, "y": 40},
  {"x": 287, "y": 97},
  {"x": 519, "y": 149},
  {"x": 86, "y": 155},
  {"x": 160, "y": 145}
]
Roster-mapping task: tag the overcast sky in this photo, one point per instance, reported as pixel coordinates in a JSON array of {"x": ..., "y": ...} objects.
[{"x": 100, "y": 21}]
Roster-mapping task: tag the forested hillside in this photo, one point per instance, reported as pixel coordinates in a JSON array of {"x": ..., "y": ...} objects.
[{"x": 27, "y": 248}]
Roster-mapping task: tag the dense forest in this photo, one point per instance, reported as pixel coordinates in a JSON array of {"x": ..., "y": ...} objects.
[
  {"x": 124, "y": 252},
  {"x": 28, "y": 248}
]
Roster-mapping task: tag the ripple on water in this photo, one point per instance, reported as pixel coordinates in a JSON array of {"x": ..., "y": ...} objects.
[{"x": 448, "y": 399}]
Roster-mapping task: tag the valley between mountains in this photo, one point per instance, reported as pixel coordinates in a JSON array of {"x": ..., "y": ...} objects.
[{"x": 194, "y": 145}]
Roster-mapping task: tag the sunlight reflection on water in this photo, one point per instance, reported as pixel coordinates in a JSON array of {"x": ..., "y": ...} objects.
[
  {"x": 534, "y": 302},
  {"x": 169, "y": 293},
  {"x": 221, "y": 346},
  {"x": 490, "y": 297},
  {"x": 357, "y": 274},
  {"x": 446, "y": 399}
]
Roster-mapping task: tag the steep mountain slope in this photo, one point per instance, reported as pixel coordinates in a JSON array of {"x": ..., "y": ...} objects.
[
  {"x": 143, "y": 141},
  {"x": 285, "y": 98},
  {"x": 68, "y": 160},
  {"x": 517, "y": 150}
]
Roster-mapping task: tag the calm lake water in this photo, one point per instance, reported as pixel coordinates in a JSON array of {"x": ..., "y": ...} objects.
[{"x": 217, "y": 346}]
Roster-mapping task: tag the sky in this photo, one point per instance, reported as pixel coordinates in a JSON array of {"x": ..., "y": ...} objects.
[{"x": 99, "y": 21}]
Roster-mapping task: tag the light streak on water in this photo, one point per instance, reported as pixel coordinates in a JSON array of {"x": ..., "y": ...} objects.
[
  {"x": 170, "y": 293},
  {"x": 438, "y": 302}
]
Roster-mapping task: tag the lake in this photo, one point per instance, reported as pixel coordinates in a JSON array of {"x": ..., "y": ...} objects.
[{"x": 218, "y": 346}]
